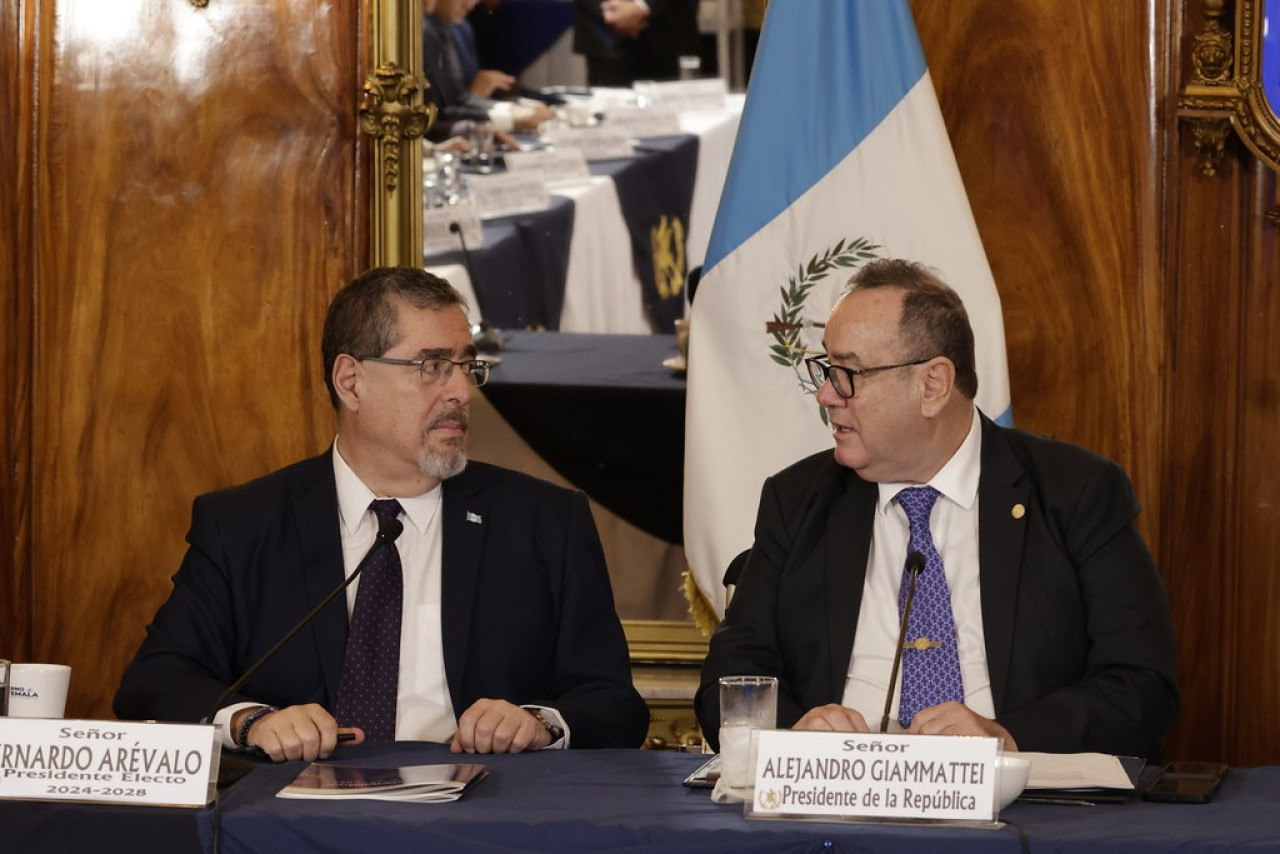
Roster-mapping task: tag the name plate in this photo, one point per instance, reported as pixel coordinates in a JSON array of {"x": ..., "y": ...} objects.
[
  {"x": 509, "y": 193},
  {"x": 108, "y": 762},
  {"x": 856, "y": 775},
  {"x": 559, "y": 164},
  {"x": 438, "y": 237},
  {"x": 597, "y": 143},
  {"x": 634, "y": 121},
  {"x": 706, "y": 94}
]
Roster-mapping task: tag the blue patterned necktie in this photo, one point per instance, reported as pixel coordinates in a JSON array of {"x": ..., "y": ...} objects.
[
  {"x": 371, "y": 668},
  {"x": 930, "y": 661}
]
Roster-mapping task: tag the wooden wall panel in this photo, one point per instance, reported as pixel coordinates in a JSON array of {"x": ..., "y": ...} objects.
[
  {"x": 1047, "y": 107},
  {"x": 195, "y": 208},
  {"x": 16, "y": 222}
]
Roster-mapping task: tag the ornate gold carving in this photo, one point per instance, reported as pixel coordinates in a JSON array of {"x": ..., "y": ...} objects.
[
  {"x": 1211, "y": 55},
  {"x": 1226, "y": 85},
  {"x": 388, "y": 114},
  {"x": 1210, "y": 137},
  {"x": 200, "y": 4}
]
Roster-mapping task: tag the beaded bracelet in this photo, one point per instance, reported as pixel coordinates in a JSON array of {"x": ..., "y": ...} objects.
[{"x": 249, "y": 720}]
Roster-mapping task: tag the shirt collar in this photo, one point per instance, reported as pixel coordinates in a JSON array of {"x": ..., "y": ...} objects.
[
  {"x": 958, "y": 477},
  {"x": 354, "y": 499}
]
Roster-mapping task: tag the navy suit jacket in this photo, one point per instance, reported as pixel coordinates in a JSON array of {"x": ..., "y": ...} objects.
[
  {"x": 1080, "y": 642},
  {"x": 527, "y": 609}
]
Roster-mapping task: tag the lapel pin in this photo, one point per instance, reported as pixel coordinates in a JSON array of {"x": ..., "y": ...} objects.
[
  {"x": 1018, "y": 511},
  {"x": 475, "y": 518}
]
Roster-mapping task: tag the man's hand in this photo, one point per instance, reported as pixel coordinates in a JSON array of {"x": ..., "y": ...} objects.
[
  {"x": 528, "y": 117},
  {"x": 625, "y": 17},
  {"x": 296, "y": 732},
  {"x": 957, "y": 719},
  {"x": 496, "y": 726},
  {"x": 487, "y": 81},
  {"x": 833, "y": 718}
]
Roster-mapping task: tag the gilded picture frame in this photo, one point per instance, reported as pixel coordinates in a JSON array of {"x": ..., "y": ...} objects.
[{"x": 1235, "y": 81}]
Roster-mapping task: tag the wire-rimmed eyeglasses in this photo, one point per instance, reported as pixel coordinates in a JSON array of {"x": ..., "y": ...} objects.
[{"x": 437, "y": 370}]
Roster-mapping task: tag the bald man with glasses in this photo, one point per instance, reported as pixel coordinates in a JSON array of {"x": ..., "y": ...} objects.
[
  {"x": 484, "y": 617},
  {"x": 1037, "y": 614}
]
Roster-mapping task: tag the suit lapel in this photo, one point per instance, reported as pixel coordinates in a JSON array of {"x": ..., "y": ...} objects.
[
  {"x": 320, "y": 540},
  {"x": 848, "y": 526},
  {"x": 1003, "y": 510},
  {"x": 463, "y": 531}
]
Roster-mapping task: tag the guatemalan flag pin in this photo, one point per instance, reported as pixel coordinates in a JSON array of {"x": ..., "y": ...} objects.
[{"x": 475, "y": 518}]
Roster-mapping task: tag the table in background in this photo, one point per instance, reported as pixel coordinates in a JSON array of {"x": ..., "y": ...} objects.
[
  {"x": 601, "y": 291},
  {"x": 606, "y": 414},
  {"x": 632, "y": 800}
]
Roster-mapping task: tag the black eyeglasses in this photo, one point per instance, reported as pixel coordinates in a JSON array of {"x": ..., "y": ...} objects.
[
  {"x": 820, "y": 370},
  {"x": 433, "y": 371}
]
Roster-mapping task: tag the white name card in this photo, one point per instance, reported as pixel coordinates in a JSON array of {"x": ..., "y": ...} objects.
[
  {"x": 438, "y": 237},
  {"x": 108, "y": 762},
  {"x": 635, "y": 121},
  {"x": 853, "y": 775},
  {"x": 706, "y": 94},
  {"x": 558, "y": 164},
  {"x": 597, "y": 143},
  {"x": 508, "y": 193}
]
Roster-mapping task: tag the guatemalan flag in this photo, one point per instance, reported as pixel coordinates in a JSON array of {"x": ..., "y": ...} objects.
[{"x": 841, "y": 157}]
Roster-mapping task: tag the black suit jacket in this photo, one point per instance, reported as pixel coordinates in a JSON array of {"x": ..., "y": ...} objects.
[
  {"x": 1080, "y": 643},
  {"x": 527, "y": 609},
  {"x": 654, "y": 54}
]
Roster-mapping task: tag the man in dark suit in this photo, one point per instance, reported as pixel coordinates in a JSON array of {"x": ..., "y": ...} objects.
[
  {"x": 461, "y": 90},
  {"x": 1062, "y": 638},
  {"x": 629, "y": 40},
  {"x": 505, "y": 626}
]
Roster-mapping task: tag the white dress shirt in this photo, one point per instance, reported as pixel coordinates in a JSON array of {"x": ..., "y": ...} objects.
[
  {"x": 424, "y": 709},
  {"x": 954, "y": 527}
]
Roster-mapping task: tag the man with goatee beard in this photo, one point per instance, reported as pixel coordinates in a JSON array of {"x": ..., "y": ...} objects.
[{"x": 487, "y": 623}]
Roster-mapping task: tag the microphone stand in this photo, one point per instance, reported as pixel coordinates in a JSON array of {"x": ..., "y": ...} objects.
[
  {"x": 485, "y": 337},
  {"x": 915, "y": 565},
  {"x": 387, "y": 533}
]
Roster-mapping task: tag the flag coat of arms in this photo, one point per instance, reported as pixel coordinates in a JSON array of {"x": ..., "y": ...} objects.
[{"x": 841, "y": 157}]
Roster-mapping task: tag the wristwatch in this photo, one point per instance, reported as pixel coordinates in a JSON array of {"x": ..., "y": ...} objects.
[{"x": 556, "y": 732}]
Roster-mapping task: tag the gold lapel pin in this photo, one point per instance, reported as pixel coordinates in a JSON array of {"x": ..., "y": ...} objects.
[{"x": 1018, "y": 511}]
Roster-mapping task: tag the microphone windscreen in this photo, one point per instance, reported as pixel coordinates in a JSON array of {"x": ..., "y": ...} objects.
[
  {"x": 391, "y": 528},
  {"x": 915, "y": 562}
]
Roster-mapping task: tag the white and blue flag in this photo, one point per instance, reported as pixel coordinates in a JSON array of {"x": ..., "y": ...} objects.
[{"x": 841, "y": 157}]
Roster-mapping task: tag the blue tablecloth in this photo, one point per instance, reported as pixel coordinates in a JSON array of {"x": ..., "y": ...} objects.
[
  {"x": 604, "y": 413},
  {"x": 632, "y": 801}
]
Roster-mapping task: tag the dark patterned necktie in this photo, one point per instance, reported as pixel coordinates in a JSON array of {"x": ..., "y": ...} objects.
[
  {"x": 930, "y": 661},
  {"x": 371, "y": 668}
]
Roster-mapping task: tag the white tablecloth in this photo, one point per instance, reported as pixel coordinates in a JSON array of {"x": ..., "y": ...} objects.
[{"x": 602, "y": 290}]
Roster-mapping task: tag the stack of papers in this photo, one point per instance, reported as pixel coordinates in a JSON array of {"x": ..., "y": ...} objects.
[
  {"x": 1081, "y": 777},
  {"x": 415, "y": 783}
]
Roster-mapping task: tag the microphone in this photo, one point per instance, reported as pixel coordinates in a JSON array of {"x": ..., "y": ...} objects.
[
  {"x": 388, "y": 531},
  {"x": 485, "y": 337},
  {"x": 915, "y": 566}
]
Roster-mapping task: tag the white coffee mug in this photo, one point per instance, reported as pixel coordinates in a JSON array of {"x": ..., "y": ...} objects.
[{"x": 38, "y": 690}]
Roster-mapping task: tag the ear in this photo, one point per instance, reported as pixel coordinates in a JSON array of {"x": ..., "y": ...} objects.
[
  {"x": 939, "y": 385},
  {"x": 347, "y": 379}
]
